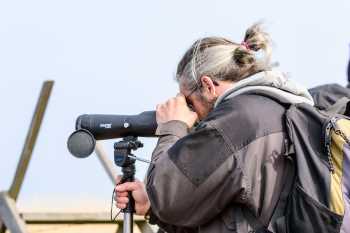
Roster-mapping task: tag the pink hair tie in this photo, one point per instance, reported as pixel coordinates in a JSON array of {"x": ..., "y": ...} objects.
[{"x": 245, "y": 44}]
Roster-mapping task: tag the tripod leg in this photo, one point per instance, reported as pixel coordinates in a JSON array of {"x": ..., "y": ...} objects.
[
  {"x": 128, "y": 225},
  {"x": 128, "y": 176}
]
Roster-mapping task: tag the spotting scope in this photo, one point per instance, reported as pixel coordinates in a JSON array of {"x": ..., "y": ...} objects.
[{"x": 92, "y": 127}]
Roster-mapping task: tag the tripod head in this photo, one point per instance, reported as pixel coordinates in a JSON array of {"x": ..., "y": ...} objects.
[{"x": 122, "y": 150}]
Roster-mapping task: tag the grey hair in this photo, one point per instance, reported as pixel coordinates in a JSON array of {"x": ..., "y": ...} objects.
[
  {"x": 222, "y": 59},
  {"x": 193, "y": 61}
]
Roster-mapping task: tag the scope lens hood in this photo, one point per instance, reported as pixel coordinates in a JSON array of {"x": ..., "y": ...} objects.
[{"x": 81, "y": 143}]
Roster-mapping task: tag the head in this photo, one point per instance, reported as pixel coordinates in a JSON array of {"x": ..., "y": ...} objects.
[{"x": 213, "y": 64}]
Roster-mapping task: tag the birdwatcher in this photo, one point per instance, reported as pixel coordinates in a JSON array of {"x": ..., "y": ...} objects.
[{"x": 219, "y": 161}]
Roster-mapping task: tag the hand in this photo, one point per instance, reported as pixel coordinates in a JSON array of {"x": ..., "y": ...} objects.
[
  {"x": 139, "y": 194},
  {"x": 176, "y": 109}
]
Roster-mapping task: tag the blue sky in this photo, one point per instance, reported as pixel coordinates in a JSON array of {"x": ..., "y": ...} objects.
[{"x": 119, "y": 57}]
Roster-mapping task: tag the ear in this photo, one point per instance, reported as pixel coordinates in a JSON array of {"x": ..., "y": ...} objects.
[{"x": 208, "y": 85}]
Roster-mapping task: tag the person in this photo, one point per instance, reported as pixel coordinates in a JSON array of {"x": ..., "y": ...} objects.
[
  {"x": 219, "y": 161},
  {"x": 326, "y": 96},
  {"x": 348, "y": 74}
]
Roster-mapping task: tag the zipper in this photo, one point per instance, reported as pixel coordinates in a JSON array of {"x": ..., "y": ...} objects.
[{"x": 328, "y": 140}]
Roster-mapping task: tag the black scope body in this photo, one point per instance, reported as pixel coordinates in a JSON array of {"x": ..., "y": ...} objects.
[
  {"x": 89, "y": 128},
  {"x": 118, "y": 126}
]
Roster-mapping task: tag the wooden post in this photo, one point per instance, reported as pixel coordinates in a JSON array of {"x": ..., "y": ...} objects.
[
  {"x": 120, "y": 228},
  {"x": 144, "y": 227},
  {"x": 2, "y": 227},
  {"x": 31, "y": 139},
  {"x": 10, "y": 215},
  {"x": 29, "y": 143}
]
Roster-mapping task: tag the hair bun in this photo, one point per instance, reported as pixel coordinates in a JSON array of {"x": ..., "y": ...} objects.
[{"x": 243, "y": 56}]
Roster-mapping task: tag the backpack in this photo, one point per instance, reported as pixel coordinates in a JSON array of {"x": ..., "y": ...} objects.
[{"x": 316, "y": 199}]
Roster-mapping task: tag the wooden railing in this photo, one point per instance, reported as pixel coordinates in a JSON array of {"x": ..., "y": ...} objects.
[{"x": 16, "y": 222}]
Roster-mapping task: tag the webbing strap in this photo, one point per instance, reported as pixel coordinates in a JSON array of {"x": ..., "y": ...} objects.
[
  {"x": 254, "y": 222},
  {"x": 280, "y": 207}
]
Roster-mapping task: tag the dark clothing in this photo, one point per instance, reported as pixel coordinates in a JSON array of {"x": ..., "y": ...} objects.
[
  {"x": 326, "y": 95},
  {"x": 349, "y": 73},
  {"x": 201, "y": 180}
]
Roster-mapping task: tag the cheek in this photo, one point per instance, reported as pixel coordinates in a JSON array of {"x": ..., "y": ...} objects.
[
  {"x": 201, "y": 108},
  {"x": 206, "y": 106}
]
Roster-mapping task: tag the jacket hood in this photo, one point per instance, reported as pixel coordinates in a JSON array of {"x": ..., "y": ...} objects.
[{"x": 271, "y": 83}]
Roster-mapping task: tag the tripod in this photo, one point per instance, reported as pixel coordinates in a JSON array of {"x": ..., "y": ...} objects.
[{"x": 124, "y": 159}]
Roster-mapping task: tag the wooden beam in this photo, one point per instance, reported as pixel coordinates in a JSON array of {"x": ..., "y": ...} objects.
[
  {"x": 10, "y": 216},
  {"x": 135, "y": 227},
  {"x": 60, "y": 218},
  {"x": 31, "y": 139},
  {"x": 85, "y": 218}
]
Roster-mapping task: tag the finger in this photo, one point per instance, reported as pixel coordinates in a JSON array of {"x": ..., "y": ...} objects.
[
  {"x": 170, "y": 101},
  {"x": 122, "y": 200},
  {"x": 121, "y": 206},
  {"x": 122, "y": 194},
  {"x": 159, "y": 107},
  {"x": 128, "y": 186}
]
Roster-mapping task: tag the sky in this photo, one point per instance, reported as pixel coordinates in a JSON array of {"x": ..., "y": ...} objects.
[{"x": 119, "y": 57}]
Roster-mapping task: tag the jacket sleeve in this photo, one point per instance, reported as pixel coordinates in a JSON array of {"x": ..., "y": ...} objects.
[{"x": 193, "y": 176}]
